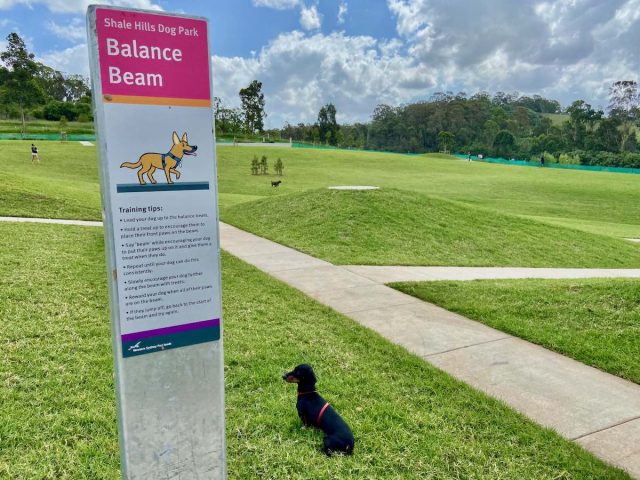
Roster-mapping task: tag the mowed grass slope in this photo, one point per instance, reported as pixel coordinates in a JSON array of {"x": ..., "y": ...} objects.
[
  {"x": 394, "y": 227},
  {"x": 410, "y": 420},
  {"x": 595, "y": 321},
  {"x": 595, "y": 201},
  {"x": 63, "y": 185}
]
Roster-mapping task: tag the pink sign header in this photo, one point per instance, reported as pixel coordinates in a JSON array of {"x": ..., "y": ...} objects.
[{"x": 148, "y": 55}]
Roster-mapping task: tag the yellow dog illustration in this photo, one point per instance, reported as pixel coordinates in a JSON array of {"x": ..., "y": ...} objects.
[{"x": 167, "y": 162}]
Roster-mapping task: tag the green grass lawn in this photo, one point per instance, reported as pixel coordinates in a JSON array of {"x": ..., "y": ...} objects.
[
  {"x": 595, "y": 321},
  {"x": 410, "y": 420},
  {"x": 394, "y": 227},
  {"x": 63, "y": 185}
]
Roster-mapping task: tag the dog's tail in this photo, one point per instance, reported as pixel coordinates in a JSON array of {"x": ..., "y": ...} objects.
[{"x": 132, "y": 165}]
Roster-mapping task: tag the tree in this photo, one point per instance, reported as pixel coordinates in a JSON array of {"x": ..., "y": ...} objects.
[
  {"x": 445, "y": 141},
  {"x": 521, "y": 120},
  {"x": 543, "y": 126},
  {"x": 623, "y": 97},
  {"x": 264, "y": 166},
  {"x": 504, "y": 144},
  {"x": 252, "y": 100},
  {"x": 279, "y": 166},
  {"x": 52, "y": 83},
  {"x": 227, "y": 120},
  {"x": 21, "y": 85},
  {"x": 581, "y": 117},
  {"x": 624, "y": 105},
  {"x": 328, "y": 125},
  {"x": 255, "y": 165},
  {"x": 76, "y": 88}
]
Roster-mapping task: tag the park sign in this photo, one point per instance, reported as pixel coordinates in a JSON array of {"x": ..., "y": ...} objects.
[{"x": 151, "y": 80}]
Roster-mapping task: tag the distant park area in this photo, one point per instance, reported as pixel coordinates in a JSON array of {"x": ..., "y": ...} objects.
[{"x": 65, "y": 184}]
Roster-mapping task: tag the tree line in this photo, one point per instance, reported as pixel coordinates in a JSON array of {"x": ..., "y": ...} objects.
[
  {"x": 509, "y": 126},
  {"x": 505, "y": 125},
  {"x": 502, "y": 125},
  {"x": 33, "y": 89}
]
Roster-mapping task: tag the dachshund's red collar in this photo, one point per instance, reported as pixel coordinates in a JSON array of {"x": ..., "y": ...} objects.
[{"x": 305, "y": 393}]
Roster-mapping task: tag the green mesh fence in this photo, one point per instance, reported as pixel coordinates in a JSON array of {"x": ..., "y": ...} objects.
[
  {"x": 562, "y": 166},
  {"x": 72, "y": 137}
]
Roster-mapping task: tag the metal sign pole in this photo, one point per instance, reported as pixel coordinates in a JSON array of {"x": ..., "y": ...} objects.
[{"x": 151, "y": 78}]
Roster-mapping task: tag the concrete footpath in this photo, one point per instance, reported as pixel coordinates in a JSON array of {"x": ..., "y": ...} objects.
[
  {"x": 599, "y": 411},
  {"x": 57, "y": 221}
]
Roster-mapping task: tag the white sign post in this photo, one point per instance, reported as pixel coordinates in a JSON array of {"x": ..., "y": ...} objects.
[{"x": 151, "y": 78}]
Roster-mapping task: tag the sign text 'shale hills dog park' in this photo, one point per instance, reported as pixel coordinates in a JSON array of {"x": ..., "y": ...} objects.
[
  {"x": 159, "y": 56},
  {"x": 151, "y": 79}
]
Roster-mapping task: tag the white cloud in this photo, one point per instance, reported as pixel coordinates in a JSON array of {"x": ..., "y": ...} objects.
[
  {"x": 76, "y": 6},
  {"x": 342, "y": 11},
  {"x": 75, "y": 31},
  {"x": 277, "y": 4},
  {"x": 300, "y": 73},
  {"x": 566, "y": 49},
  {"x": 70, "y": 60},
  {"x": 310, "y": 18}
]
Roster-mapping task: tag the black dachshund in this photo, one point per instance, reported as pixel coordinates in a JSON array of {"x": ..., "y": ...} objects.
[
  {"x": 315, "y": 411},
  {"x": 276, "y": 184}
]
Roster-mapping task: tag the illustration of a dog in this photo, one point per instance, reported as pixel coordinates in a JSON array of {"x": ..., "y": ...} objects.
[{"x": 167, "y": 162}]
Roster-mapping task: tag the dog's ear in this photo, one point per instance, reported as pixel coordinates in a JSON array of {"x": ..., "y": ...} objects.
[
  {"x": 176, "y": 140},
  {"x": 305, "y": 373},
  {"x": 184, "y": 137}
]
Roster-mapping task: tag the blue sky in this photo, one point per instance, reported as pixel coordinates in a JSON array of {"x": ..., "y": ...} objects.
[
  {"x": 229, "y": 26},
  {"x": 359, "y": 53}
]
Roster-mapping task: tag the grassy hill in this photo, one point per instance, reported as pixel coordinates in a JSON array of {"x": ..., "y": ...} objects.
[
  {"x": 599, "y": 202},
  {"x": 387, "y": 227}
]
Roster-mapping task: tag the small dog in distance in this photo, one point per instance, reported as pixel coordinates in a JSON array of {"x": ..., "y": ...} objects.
[{"x": 276, "y": 183}]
